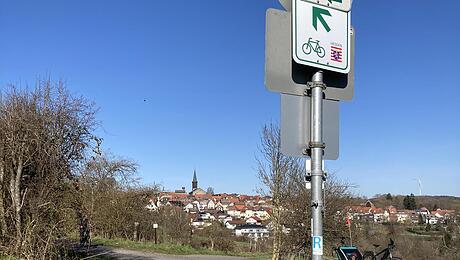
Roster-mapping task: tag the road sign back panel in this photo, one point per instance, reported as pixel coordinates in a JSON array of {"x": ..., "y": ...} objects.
[{"x": 295, "y": 126}]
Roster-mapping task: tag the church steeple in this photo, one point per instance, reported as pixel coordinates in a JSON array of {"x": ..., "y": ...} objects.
[{"x": 194, "y": 181}]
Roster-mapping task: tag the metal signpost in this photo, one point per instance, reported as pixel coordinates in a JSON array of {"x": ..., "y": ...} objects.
[
  {"x": 309, "y": 54},
  {"x": 320, "y": 39},
  {"x": 316, "y": 153}
]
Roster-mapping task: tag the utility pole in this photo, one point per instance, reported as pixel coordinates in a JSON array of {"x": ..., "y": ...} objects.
[{"x": 316, "y": 152}]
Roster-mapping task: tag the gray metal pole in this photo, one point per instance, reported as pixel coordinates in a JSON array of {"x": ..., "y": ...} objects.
[{"x": 316, "y": 149}]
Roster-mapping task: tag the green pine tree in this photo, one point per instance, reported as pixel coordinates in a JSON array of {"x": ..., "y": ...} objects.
[
  {"x": 406, "y": 202},
  {"x": 389, "y": 197}
]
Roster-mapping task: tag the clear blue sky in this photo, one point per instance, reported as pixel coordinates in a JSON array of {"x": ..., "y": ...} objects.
[{"x": 200, "y": 67}]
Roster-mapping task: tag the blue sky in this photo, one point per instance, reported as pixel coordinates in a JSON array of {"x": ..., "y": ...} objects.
[{"x": 199, "y": 66}]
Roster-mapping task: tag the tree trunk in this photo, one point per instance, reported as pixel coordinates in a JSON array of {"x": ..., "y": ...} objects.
[
  {"x": 15, "y": 185},
  {"x": 136, "y": 227},
  {"x": 2, "y": 208},
  {"x": 276, "y": 229}
]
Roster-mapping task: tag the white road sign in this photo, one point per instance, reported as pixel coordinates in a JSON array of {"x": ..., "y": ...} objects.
[
  {"x": 317, "y": 245},
  {"x": 321, "y": 36},
  {"x": 344, "y": 5},
  {"x": 280, "y": 71}
]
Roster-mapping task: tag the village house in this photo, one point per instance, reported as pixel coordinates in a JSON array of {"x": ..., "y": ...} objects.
[
  {"x": 254, "y": 221},
  {"x": 407, "y": 216},
  {"x": 262, "y": 213},
  {"x": 444, "y": 215},
  {"x": 232, "y": 224},
  {"x": 252, "y": 231}
]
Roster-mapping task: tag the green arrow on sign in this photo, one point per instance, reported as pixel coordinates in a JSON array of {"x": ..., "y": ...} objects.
[
  {"x": 318, "y": 15},
  {"x": 338, "y": 1}
]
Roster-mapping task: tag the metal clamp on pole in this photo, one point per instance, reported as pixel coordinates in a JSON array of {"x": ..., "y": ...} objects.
[
  {"x": 307, "y": 175},
  {"x": 311, "y": 85},
  {"x": 315, "y": 204},
  {"x": 316, "y": 84},
  {"x": 316, "y": 145}
]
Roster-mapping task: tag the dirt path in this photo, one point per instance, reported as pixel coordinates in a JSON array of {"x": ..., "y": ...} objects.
[{"x": 125, "y": 254}]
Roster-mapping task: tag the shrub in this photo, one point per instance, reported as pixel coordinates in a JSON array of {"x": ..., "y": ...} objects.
[{"x": 225, "y": 245}]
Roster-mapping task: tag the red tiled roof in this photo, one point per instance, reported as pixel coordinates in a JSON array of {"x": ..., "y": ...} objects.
[
  {"x": 243, "y": 197},
  {"x": 240, "y": 207},
  {"x": 391, "y": 209},
  {"x": 203, "y": 196},
  {"x": 256, "y": 218},
  {"x": 378, "y": 210},
  {"x": 216, "y": 197},
  {"x": 237, "y": 222},
  {"x": 233, "y": 200},
  {"x": 443, "y": 212}
]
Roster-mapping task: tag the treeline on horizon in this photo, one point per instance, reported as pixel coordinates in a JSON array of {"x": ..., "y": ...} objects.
[{"x": 431, "y": 202}]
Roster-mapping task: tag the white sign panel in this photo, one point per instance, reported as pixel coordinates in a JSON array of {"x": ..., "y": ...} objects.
[
  {"x": 344, "y": 5},
  {"x": 321, "y": 36},
  {"x": 317, "y": 244}
]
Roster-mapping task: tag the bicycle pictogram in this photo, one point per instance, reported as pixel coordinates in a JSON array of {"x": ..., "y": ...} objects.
[{"x": 313, "y": 45}]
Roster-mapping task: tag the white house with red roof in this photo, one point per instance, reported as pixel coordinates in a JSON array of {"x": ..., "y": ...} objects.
[{"x": 254, "y": 220}]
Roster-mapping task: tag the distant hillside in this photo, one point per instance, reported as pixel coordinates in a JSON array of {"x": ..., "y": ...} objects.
[{"x": 443, "y": 202}]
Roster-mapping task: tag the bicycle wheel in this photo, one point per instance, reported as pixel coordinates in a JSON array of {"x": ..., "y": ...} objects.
[
  {"x": 368, "y": 255},
  {"x": 321, "y": 52},
  {"x": 306, "y": 48}
]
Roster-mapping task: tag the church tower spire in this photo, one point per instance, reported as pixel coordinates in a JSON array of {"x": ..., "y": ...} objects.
[{"x": 194, "y": 181}]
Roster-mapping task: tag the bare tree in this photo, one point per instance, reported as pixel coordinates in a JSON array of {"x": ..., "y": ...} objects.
[
  {"x": 44, "y": 134},
  {"x": 273, "y": 171},
  {"x": 105, "y": 184},
  {"x": 3, "y": 227},
  {"x": 210, "y": 190},
  {"x": 284, "y": 178}
]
